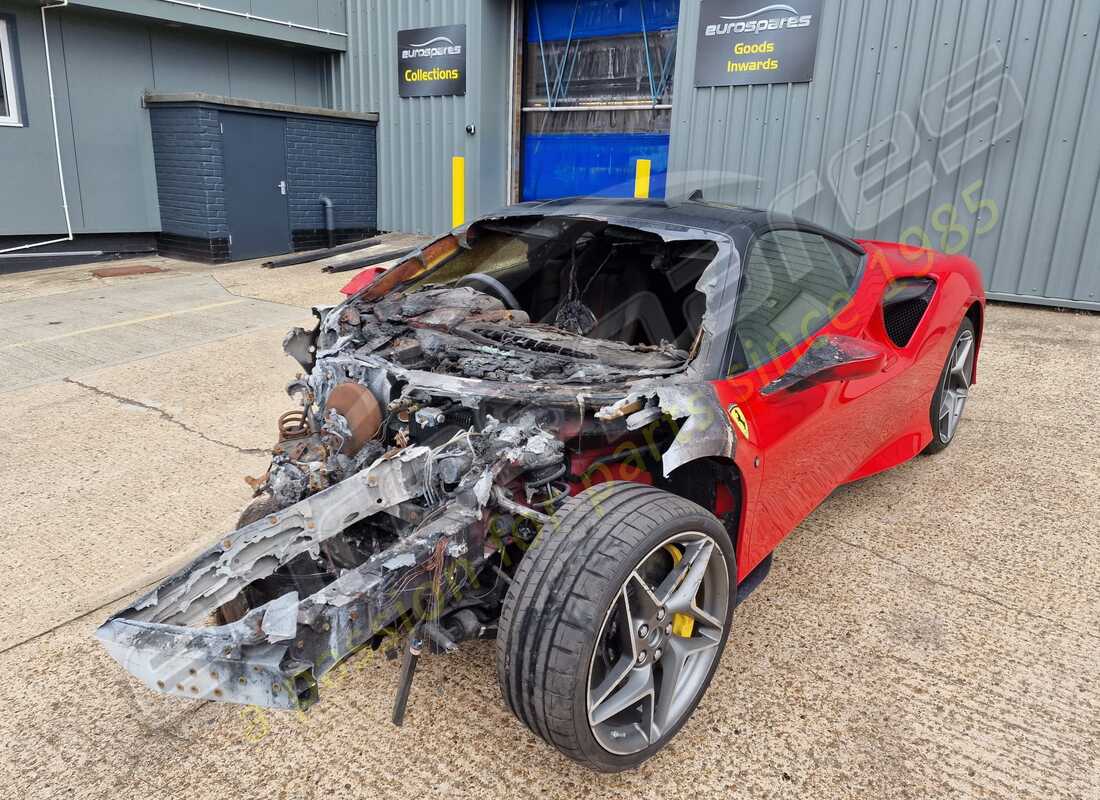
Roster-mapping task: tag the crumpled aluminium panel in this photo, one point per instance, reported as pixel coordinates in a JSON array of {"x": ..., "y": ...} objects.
[
  {"x": 157, "y": 639},
  {"x": 274, "y": 655}
]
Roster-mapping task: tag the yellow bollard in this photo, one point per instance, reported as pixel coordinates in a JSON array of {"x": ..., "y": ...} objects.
[
  {"x": 458, "y": 191},
  {"x": 641, "y": 179}
]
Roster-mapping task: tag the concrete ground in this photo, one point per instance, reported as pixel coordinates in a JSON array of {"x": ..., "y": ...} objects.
[{"x": 931, "y": 632}]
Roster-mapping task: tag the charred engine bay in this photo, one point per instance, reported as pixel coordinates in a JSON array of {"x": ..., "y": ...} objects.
[
  {"x": 369, "y": 396},
  {"x": 497, "y": 401},
  {"x": 452, "y": 373},
  {"x": 463, "y": 332}
]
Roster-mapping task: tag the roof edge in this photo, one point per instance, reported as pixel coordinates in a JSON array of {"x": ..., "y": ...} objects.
[{"x": 182, "y": 98}]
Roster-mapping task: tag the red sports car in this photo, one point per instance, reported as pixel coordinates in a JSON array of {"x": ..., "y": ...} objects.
[{"x": 579, "y": 427}]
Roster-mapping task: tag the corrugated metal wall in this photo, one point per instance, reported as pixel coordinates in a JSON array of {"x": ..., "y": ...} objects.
[
  {"x": 993, "y": 110},
  {"x": 417, "y": 137},
  {"x": 961, "y": 124}
]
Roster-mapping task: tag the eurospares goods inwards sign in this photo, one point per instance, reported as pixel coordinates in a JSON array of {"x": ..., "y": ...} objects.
[
  {"x": 431, "y": 61},
  {"x": 744, "y": 42}
]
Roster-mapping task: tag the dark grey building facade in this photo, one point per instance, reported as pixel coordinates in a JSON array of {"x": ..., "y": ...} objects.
[{"x": 141, "y": 89}]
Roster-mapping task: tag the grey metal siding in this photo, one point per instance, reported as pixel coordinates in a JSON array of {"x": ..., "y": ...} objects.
[
  {"x": 1015, "y": 193},
  {"x": 107, "y": 68},
  {"x": 102, "y": 66},
  {"x": 313, "y": 23},
  {"x": 27, "y": 153},
  {"x": 204, "y": 62},
  {"x": 417, "y": 137}
]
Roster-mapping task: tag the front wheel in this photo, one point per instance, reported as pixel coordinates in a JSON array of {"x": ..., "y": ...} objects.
[{"x": 615, "y": 621}]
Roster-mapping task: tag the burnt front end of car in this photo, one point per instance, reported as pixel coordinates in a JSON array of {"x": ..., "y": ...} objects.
[
  {"x": 397, "y": 542},
  {"x": 438, "y": 430}
]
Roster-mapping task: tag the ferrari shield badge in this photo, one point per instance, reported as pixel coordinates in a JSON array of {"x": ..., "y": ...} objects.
[{"x": 737, "y": 416}]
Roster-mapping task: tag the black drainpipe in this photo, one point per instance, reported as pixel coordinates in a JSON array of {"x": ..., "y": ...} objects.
[{"x": 330, "y": 220}]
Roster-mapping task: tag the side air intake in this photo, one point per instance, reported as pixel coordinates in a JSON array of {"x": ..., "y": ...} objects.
[{"x": 904, "y": 305}]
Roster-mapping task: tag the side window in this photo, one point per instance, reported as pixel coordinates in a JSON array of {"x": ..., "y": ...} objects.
[
  {"x": 794, "y": 282},
  {"x": 9, "y": 105}
]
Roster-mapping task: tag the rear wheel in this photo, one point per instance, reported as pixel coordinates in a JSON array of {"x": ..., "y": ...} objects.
[
  {"x": 951, "y": 395},
  {"x": 615, "y": 621}
]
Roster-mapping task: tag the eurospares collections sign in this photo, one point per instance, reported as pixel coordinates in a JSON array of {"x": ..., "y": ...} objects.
[
  {"x": 431, "y": 61},
  {"x": 745, "y": 42}
]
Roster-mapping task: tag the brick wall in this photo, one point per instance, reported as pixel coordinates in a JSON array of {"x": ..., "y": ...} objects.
[
  {"x": 187, "y": 152},
  {"x": 325, "y": 157},
  {"x": 334, "y": 159}
]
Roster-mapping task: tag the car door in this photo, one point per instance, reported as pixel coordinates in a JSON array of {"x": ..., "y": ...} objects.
[{"x": 799, "y": 441}]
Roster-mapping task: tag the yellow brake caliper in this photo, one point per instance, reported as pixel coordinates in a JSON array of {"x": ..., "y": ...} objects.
[{"x": 682, "y": 624}]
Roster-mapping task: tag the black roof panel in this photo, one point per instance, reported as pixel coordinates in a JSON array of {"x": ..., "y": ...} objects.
[
  {"x": 738, "y": 222},
  {"x": 690, "y": 213}
]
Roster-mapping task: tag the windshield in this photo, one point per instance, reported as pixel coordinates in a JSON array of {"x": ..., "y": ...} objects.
[{"x": 582, "y": 276}]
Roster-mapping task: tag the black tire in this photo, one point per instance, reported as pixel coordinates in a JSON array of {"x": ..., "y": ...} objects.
[
  {"x": 942, "y": 431},
  {"x": 561, "y": 598},
  {"x": 260, "y": 507}
]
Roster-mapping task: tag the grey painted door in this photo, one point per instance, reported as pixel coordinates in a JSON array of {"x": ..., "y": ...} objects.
[{"x": 254, "y": 147}]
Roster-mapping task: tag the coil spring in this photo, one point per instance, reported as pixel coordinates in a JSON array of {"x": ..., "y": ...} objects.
[
  {"x": 547, "y": 482},
  {"x": 557, "y": 492},
  {"x": 544, "y": 475},
  {"x": 293, "y": 425}
]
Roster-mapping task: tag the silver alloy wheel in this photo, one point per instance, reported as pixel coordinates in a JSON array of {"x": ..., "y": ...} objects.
[
  {"x": 645, "y": 674},
  {"x": 956, "y": 385}
]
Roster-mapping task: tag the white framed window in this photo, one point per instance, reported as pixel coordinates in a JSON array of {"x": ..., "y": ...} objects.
[{"x": 9, "y": 95}]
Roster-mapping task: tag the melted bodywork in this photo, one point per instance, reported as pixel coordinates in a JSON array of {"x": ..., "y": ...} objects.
[
  {"x": 825, "y": 359},
  {"x": 436, "y": 430}
]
